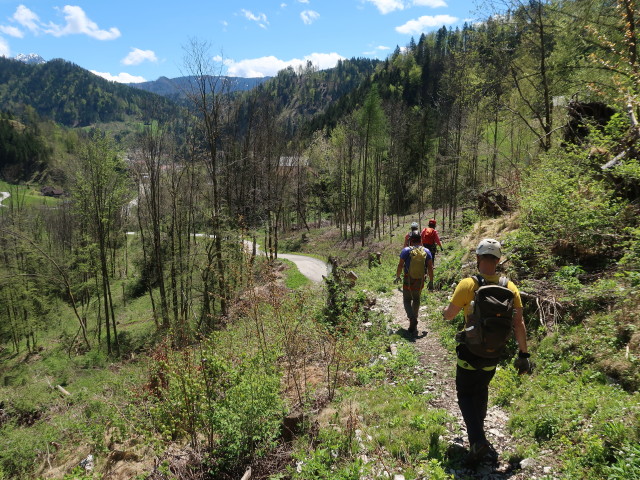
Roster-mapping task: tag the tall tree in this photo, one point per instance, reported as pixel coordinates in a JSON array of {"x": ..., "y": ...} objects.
[
  {"x": 100, "y": 195},
  {"x": 150, "y": 156},
  {"x": 208, "y": 102},
  {"x": 373, "y": 130}
]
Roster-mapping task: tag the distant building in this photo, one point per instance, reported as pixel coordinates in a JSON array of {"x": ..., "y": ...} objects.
[
  {"x": 51, "y": 192},
  {"x": 293, "y": 162},
  {"x": 290, "y": 167}
]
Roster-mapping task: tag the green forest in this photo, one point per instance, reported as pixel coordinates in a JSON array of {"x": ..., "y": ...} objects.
[{"x": 150, "y": 327}]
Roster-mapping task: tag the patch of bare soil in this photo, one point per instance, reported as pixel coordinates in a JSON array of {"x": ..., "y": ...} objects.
[{"x": 441, "y": 364}]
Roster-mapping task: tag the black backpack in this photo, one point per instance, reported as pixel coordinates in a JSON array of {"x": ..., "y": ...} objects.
[{"x": 490, "y": 325}]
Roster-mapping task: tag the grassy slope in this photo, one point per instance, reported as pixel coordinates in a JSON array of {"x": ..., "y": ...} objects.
[
  {"x": 590, "y": 421},
  {"x": 570, "y": 406},
  {"x": 25, "y": 196}
]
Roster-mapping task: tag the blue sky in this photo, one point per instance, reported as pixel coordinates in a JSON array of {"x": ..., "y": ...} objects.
[{"x": 140, "y": 40}]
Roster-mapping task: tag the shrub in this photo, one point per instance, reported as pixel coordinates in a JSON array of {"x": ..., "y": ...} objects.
[
  {"x": 627, "y": 463},
  {"x": 235, "y": 402},
  {"x": 566, "y": 211}
]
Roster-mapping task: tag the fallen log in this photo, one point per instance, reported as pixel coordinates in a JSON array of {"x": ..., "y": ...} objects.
[{"x": 62, "y": 390}]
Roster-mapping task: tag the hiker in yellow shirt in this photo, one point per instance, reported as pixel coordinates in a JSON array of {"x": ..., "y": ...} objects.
[{"x": 474, "y": 372}]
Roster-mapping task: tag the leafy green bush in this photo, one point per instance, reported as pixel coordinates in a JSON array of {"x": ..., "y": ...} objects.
[
  {"x": 567, "y": 278},
  {"x": 322, "y": 464},
  {"x": 569, "y": 212},
  {"x": 19, "y": 447},
  {"x": 234, "y": 402},
  {"x": 631, "y": 258},
  {"x": 627, "y": 463}
]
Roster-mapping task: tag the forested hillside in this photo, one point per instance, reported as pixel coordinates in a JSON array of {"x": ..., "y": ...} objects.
[
  {"x": 72, "y": 96},
  {"x": 149, "y": 330}
]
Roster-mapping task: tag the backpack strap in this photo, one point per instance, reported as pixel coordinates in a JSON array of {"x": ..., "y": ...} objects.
[
  {"x": 503, "y": 282},
  {"x": 479, "y": 279}
]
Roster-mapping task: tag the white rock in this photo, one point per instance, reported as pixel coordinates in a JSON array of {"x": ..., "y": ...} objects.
[
  {"x": 527, "y": 463},
  {"x": 398, "y": 476},
  {"x": 547, "y": 470}
]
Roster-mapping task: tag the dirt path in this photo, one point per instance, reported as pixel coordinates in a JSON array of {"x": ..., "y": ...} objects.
[{"x": 440, "y": 363}]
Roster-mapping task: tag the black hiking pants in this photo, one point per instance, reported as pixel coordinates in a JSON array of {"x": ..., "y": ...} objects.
[
  {"x": 472, "y": 387},
  {"x": 433, "y": 248}
]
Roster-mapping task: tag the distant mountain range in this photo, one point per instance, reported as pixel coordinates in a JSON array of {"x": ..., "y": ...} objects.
[
  {"x": 175, "y": 88},
  {"x": 73, "y": 96}
]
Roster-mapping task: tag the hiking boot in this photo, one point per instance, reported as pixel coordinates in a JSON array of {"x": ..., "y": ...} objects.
[
  {"x": 491, "y": 455},
  {"x": 413, "y": 327},
  {"x": 476, "y": 453}
]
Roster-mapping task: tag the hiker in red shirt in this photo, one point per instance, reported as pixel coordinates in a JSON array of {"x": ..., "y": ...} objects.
[{"x": 430, "y": 239}]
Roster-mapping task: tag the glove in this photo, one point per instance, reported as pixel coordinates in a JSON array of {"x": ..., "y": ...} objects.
[
  {"x": 523, "y": 364},
  {"x": 430, "y": 286},
  {"x": 397, "y": 280},
  {"x": 441, "y": 248}
]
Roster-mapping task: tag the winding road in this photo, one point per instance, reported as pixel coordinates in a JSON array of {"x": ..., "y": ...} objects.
[{"x": 310, "y": 267}]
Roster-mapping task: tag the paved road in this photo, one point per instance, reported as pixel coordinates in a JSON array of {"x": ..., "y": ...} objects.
[{"x": 310, "y": 267}]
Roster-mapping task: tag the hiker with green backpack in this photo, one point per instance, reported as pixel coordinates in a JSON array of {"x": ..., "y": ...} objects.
[
  {"x": 415, "y": 264},
  {"x": 493, "y": 313}
]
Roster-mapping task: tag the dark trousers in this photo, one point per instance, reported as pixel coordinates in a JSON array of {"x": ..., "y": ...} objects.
[
  {"x": 433, "y": 248},
  {"x": 472, "y": 387},
  {"x": 411, "y": 301}
]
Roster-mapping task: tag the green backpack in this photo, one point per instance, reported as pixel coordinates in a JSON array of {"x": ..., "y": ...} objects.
[{"x": 418, "y": 257}]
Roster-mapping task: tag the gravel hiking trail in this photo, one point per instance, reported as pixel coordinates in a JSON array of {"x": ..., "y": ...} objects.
[{"x": 441, "y": 364}]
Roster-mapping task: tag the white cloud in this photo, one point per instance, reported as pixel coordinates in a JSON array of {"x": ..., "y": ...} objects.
[
  {"x": 79, "y": 23},
  {"x": 137, "y": 56},
  {"x": 376, "y": 50},
  {"x": 425, "y": 22},
  {"x": 260, "y": 19},
  {"x": 11, "y": 31},
  {"x": 309, "y": 16},
  {"x": 5, "y": 51},
  {"x": 27, "y": 18},
  {"x": 303, "y": 1},
  {"x": 122, "y": 77},
  {"x": 430, "y": 3},
  {"x": 387, "y": 6},
  {"x": 270, "y": 66}
]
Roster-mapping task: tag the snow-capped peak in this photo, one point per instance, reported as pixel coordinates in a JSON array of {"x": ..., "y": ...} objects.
[{"x": 31, "y": 58}]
